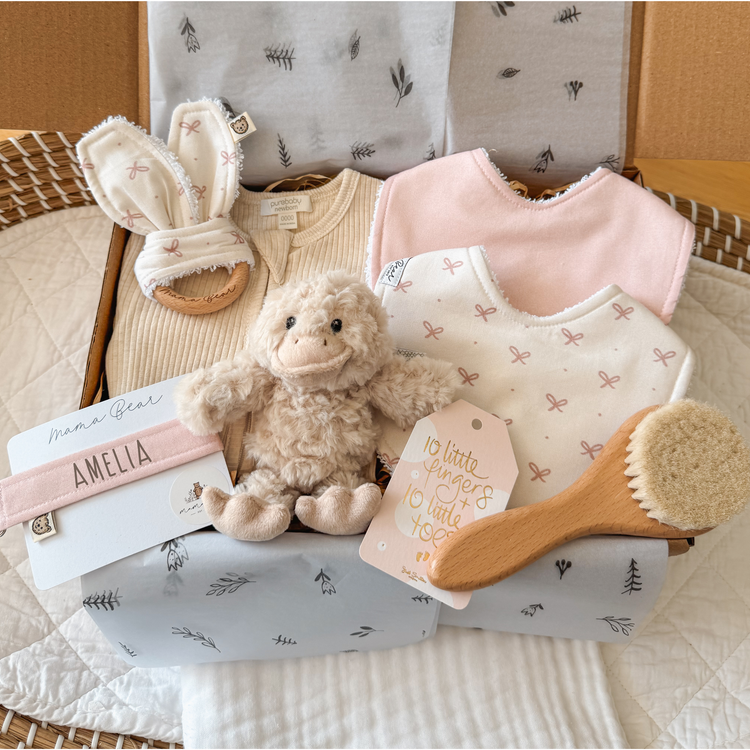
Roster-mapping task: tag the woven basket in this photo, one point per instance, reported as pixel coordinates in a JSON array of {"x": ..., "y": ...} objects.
[
  {"x": 39, "y": 173},
  {"x": 21, "y": 731}
]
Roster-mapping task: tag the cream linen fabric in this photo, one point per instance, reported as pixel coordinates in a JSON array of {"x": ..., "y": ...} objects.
[
  {"x": 563, "y": 383},
  {"x": 151, "y": 343},
  {"x": 179, "y": 198}
]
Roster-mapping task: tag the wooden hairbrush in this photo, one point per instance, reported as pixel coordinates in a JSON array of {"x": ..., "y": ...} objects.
[{"x": 669, "y": 472}]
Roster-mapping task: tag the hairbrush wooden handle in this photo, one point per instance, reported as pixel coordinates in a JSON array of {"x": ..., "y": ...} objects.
[{"x": 598, "y": 502}]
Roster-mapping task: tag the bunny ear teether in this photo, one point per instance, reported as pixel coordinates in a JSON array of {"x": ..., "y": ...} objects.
[{"x": 142, "y": 186}]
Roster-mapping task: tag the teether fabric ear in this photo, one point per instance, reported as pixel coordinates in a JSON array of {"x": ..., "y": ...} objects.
[
  {"x": 203, "y": 143},
  {"x": 134, "y": 179},
  {"x": 142, "y": 186}
]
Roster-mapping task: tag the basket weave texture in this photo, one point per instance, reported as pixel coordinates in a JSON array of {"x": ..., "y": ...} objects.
[
  {"x": 39, "y": 173},
  {"x": 19, "y": 731}
]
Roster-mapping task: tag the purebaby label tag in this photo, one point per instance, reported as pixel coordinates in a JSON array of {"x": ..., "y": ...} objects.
[
  {"x": 458, "y": 466},
  {"x": 286, "y": 208}
]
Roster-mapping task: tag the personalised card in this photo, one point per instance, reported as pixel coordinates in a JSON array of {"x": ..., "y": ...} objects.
[
  {"x": 458, "y": 466},
  {"x": 136, "y": 464}
]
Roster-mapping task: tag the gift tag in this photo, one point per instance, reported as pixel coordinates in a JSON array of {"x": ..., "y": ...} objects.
[{"x": 458, "y": 466}]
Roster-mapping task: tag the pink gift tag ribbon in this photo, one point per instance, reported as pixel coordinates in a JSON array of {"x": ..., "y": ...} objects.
[{"x": 67, "y": 480}]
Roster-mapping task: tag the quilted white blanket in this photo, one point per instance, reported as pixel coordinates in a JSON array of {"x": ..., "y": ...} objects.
[{"x": 680, "y": 682}]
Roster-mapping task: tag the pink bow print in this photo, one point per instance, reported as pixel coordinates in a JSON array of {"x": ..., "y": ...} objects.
[
  {"x": 228, "y": 158},
  {"x": 466, "y": 377},
  {"x": 482, "y": 313},
  {"x": 572, "y": 338},
  {"x": 607, "y": 380},
  {"x": 86, "y": 165},
  {"x": 538, "y": 473},
  {"x": 622, "y": 312},
  {"x": 135, "y": 169},
  {"x": 555, "y": 403},
  {"x": 191, "y": 127},
  {"x": 519, "y": 356},
  {"x": 172, "y": 250},
  {"x": 200, "y": 191},
  {"x": 450, "y": 266},
  {"x": 590, "y": 450},
  {"x": 663, "y": 357},
  {"x": 403, "y": 286},
  {"x": 129, "y": 218},
  {"x": 238, "y": 240},
  {"x": 431, "y": 331}
]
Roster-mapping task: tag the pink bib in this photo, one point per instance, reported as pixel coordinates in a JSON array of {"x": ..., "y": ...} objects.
[{"x": 547, "y": 256}]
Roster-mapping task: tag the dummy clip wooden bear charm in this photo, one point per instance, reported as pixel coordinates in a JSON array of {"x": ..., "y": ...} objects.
[
  {"x": 319, "y": 362},
  {"x": 178, "y": 195}
]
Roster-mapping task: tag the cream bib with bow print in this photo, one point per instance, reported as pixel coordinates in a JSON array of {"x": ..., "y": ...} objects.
[{"x": 563, "y": 383}]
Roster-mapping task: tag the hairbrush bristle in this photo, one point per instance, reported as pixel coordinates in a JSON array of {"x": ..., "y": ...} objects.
[{"x": 690, "y": 466}]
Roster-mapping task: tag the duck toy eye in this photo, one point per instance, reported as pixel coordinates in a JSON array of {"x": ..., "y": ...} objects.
[
  {"x": 336, "y": 325},
  {"x": 290, "y": 322}
]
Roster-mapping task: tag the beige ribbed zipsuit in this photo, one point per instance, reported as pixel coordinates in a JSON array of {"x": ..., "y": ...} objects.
[{"x": 151, "y": 343}]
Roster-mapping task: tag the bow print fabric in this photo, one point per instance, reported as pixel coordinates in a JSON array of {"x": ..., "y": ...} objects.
[{"x": 178, "y": 197}]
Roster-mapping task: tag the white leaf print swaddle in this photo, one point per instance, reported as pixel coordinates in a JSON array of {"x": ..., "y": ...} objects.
[{"x": 179, "y": 197}]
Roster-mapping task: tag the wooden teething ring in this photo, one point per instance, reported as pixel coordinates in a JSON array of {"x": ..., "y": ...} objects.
[{"x": 202, "y": 305}]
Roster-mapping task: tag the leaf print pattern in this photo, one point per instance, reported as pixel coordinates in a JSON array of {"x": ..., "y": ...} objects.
[
  {"x": 128, "y": 651},
  {"x": 431, "y": 156},
  {"x": 422, "y": 598},
  {"x": 543, "y": 160},
  {"x": 284, "y": 157},
  {"x": 326, "y": 586},
  {"x": 228, "y": 585},
  {"x": 618, "y": 624},
  {"x": 508, "y": 73},
  {"x": 611, "y": 162},
  {"x": 633, "y": 581},
  {"x": 532, "y": 609},
  {"x": 197, "y": 636},
  {"x": 176, "y": 553},
  {"x": 280, "y": 54},
  {"x": 191, "y": 41},
  {"x": 354, "y": 45},
  {"x": 362, "y": 150},
  {"x": 105, "y": 601},
  {"x": 365, "y": 630},
  {"x": 402, "y": 82},
  {"x": 573, "y": 88},
  {"x": 498, "y": 8},
  {"x": 281, "y": 640},
  {"x": 563, "y": 566},
  {"x": 568, "y": 15}
]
